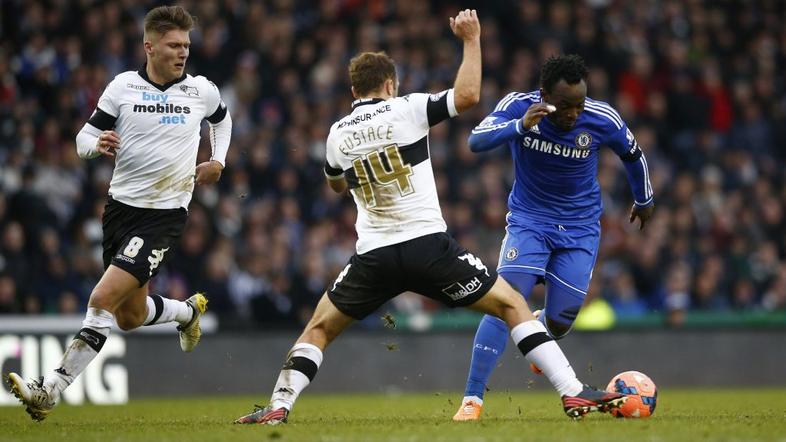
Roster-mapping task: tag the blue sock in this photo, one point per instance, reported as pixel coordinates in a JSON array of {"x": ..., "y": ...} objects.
[
  {"x": 490, "y": 341},
  {"x": 491, "y": 338}
]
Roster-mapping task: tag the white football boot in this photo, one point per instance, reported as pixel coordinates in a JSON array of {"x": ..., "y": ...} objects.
[{"x": 33, "y": 395}]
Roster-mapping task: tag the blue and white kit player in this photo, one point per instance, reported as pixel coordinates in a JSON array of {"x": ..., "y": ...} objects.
[{"x": 553, "y": 224}]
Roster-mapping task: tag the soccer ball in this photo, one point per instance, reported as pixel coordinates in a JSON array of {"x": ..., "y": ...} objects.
[{"x": 641, "y": 391}]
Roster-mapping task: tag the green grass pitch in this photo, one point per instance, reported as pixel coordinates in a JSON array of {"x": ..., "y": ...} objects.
[{"x": 689, "y": 415}]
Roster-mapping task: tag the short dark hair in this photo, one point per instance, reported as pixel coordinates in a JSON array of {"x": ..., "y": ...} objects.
[
  {"x": 570, "y": 68},
  {"x": 369, "y": 70},
  {"x": 166, "y": 18}
]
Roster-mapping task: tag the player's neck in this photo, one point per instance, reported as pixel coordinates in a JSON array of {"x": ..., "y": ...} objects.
[
  {"x": 376, "y": 96},
  {"x": 155, "y": 76}
]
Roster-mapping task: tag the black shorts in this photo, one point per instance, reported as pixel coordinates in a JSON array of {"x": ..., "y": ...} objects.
[
  {"x": 434, "y": 265},
  {"x": 139, "y": 240}
]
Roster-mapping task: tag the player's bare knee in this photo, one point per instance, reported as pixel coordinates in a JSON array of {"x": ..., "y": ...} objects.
[
  {"x": 102, "y": 299},
  {"x": 105, "y": 298}
]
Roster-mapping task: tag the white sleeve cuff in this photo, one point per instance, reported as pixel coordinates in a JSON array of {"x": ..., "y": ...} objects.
[
  {"x": 452, "y": 103},
  {"x": 86, "y": 142}
]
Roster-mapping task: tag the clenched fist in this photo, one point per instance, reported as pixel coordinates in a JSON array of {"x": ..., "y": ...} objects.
[
  {"x": 466, "y": 25},
  {"x": 208, "y": 172}
]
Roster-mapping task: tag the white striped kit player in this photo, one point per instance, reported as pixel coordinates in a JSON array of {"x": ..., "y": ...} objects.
[
  {"x": 160, "y": 130},
  {"x": 382, "y": 150}
]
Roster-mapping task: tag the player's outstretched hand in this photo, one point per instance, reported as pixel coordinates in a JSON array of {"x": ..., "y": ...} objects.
[
  {"x": 642, "y": 213},
  {"x": 208, "y": 172},
  {"x": 466, "y": 25},
  {"x": 535, "y": 113},
  {"x": 108, "y": 142}
]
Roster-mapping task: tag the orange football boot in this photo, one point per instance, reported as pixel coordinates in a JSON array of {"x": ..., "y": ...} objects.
[{"x": 469, "y": 411}]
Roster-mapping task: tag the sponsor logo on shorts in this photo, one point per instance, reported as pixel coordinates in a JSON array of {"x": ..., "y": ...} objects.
[
  {"x": 156, "y": 258},
  {"x": 341, "y": 276},
  {"x": 511, "y": 254},
  {"x": 458, "y": 290},
  {"x": 474, "y": 262},
  {"x": 125, "y": 258}
]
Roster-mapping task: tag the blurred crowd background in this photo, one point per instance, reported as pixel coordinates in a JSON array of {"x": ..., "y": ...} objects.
[{"x": 699, "y": 82}]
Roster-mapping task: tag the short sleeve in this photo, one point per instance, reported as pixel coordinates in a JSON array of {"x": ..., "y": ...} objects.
[
  {"x": 109, "y": 101},
  {"x": 431, "y": 109},
  {"x": 333, "y": 168},
  {"x": 215, "y": 109},
  {"x": 108, "y": 107}
]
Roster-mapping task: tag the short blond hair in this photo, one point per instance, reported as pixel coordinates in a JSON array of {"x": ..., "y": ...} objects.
[{"x": 163, "y": 19}]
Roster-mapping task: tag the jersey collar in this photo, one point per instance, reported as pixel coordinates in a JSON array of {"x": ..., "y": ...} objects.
[
  {"x": 162, "y": 87},
  {"x": 365, "y": 101}
]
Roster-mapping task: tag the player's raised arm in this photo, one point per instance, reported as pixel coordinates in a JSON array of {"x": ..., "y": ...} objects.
[{"x": 466, "y": 26}]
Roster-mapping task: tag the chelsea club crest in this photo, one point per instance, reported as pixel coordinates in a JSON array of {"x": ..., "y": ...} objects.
[
  {"x": 511, "y": 254},
  {"x": 583, "y": 140}
]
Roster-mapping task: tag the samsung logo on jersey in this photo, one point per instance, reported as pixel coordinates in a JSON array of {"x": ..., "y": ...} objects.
[{"x": 555, "y": 149}]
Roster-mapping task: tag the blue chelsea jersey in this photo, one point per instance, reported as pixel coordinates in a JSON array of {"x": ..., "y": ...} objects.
[{"x": 556, "y": 171}]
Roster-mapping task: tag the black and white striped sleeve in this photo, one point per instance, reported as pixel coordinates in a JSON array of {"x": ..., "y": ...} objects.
[
  {"x": 431, "y": 109},
  {"x": 102, "y": 120},
  {"x": 440, "y": 107},
  {"x": 333, "y": 173}
]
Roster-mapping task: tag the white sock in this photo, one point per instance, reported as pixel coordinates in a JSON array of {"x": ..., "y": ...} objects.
[
  {"x": 161, "y": 310},
  {"x": 474, "y": 399},
  {"x": 299, "y": 370},
  {"x": 535, "y": 344},
  {"x": 85, "y": 346}
]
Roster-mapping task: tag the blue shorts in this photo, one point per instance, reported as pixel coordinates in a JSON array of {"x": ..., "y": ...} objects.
[{"x": 563, "y": 255}]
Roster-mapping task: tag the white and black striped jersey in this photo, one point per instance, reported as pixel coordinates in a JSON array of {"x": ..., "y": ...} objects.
[
  {"x": 159, "y": 129},
  {"x": 382, "y": 150}
]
